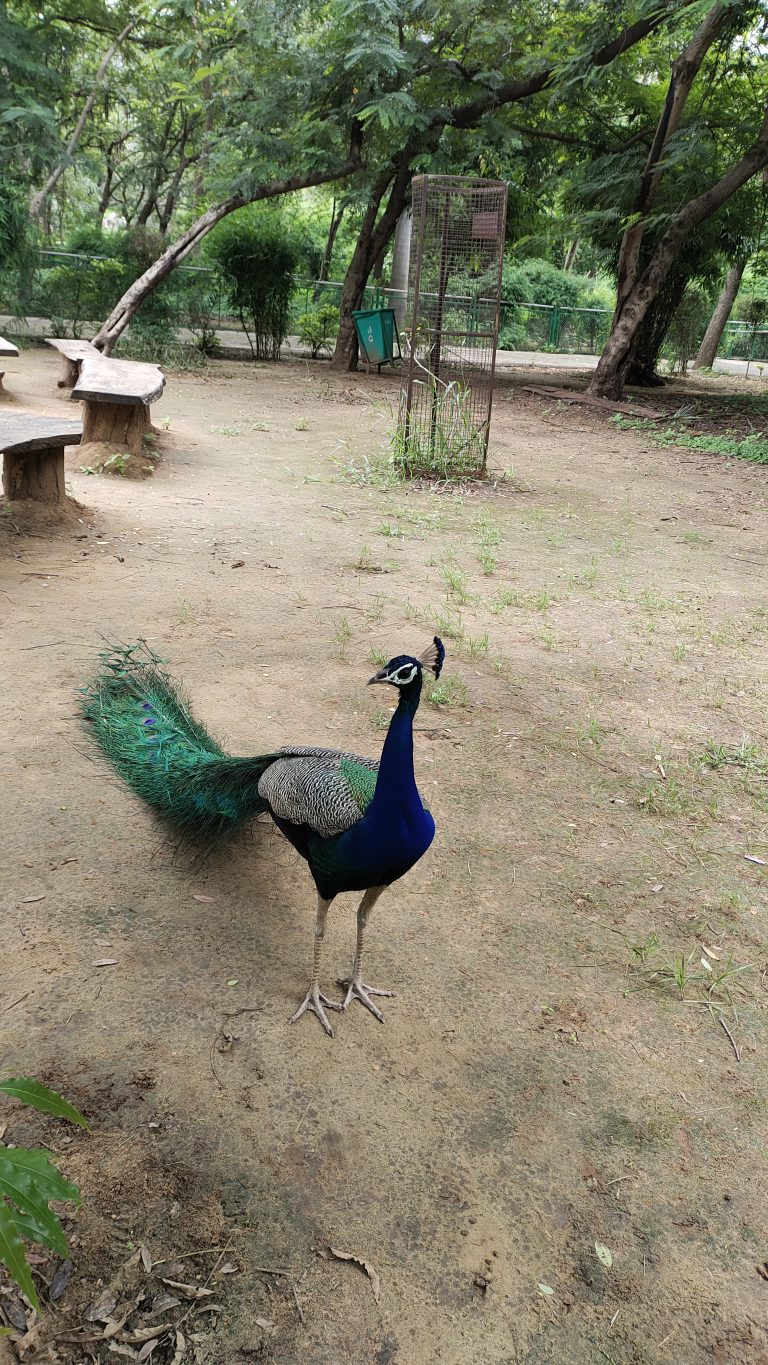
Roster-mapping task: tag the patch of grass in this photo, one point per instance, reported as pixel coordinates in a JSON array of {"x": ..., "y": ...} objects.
[
  {"x": 455, "y": 583},
  {"x": 377, "y": 657},
  {"x": 448, "y": 623},
  {"x": 223, "y": 429},
  {"x": 753, "y": 447},
  {"x": 663, "y": 798},
  {"x": 450, "y": 691},
  {"x": 696, "y": 538},
  {"x": 488, "y": 562},
  {"x": 365, "y": 563},
  {"x": 679, "y": 653},
  {"x": 342, "y": 635},
  {"x": 584, "y": 578},
  {"x": 507, "y": 597},
  {"x": 654, "y": 602},
  {"x": 302, "y": 424},
  {"x": 693, "y": 978},
  {"x": 745, "y": 755},
  {"x": 478, "y": 646},
  {"x": 594, "y": 734},
  {"x": 390, "y": 529},
  {"x": 381, "y": 718}
]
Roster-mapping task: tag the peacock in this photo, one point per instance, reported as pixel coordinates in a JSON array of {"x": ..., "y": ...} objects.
[{"x": 360, "y": 824}]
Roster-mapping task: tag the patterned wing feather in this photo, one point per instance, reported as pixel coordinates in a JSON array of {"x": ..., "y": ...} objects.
[{"x": 323, "y": 788}]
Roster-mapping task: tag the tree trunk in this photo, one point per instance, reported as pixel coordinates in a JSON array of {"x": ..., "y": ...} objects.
[
  {"x": 126, "y": 308},
  {"x": 713, "y": 335},
  {"x": 371, "y": 241},
  {"x": 325, "y": 264},
  {"x": 38, "y": 475},
  {"x": 570, "y": 255},
  {"x": 609, "y": 377},
  {"x": 684, "y": 73},
  {"x": 116, "y": 424},
  {"x": 37, "y": 200}
]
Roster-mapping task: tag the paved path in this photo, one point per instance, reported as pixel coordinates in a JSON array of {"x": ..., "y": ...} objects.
[{"x": 236, "y": 344}]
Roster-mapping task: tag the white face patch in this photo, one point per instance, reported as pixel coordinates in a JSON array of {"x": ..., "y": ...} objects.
[{"x": 403, "y": 675}]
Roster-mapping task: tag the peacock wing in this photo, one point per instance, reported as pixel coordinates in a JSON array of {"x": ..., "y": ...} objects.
[{"x": 324, "y": 788}]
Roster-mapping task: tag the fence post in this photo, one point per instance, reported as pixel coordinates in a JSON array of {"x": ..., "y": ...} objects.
[{"x": 554, "y": 327}]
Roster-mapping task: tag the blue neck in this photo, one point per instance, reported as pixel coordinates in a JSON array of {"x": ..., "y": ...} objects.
[{"x": 396, "y": 784}]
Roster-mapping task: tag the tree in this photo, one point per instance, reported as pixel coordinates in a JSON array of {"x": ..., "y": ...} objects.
[
  {"x": 705, "y": 357},
  {"x": 608, "y": 379},
  {"x": 649, "y": 249}
]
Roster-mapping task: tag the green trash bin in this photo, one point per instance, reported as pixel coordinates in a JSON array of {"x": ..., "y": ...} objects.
[{"x": 377, "y": 333}]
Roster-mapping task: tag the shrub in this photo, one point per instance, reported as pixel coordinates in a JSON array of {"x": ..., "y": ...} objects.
[
  {"x": 258, "y": 257},
  {"x": 318, "y": 327}
]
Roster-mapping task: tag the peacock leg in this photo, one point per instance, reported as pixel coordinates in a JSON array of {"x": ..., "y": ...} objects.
[
  {"x": 356, "y": 989},
  {"x": 314, "y": 999}
]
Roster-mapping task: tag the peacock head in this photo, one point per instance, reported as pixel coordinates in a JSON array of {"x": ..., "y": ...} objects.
[{"x": 404, "y": 671}]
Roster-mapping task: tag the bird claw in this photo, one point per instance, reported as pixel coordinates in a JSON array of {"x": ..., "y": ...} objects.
[
  {"x": 314, "y": 1001},
  {"x": 357, "y": 990}
]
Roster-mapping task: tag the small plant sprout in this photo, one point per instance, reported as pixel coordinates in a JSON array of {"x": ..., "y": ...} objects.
[{"x": 342, "y": 635}]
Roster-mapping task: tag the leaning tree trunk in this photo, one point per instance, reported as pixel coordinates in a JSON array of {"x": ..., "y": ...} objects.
[
  {"x": 713, "y": 335},
  {"x": 127, "y": 307},
  {"x": 609, "y": 377},
  {"x": 371, "y": 242}
]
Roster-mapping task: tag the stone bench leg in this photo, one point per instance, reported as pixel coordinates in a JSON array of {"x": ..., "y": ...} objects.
[
  {"x": 116, "y": 424},
  {"x": 38, "y": 475}
]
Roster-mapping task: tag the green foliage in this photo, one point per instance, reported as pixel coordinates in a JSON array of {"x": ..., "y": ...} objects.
[
  {"x": 258, "y": 259},
  {"x": 441, "y": 438},
  {"x": 318, "y": 327},
  {"x": 29, "y": 1183}
]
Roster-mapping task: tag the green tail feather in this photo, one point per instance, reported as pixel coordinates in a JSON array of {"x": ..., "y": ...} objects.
[{"x": 145, "y": 729}]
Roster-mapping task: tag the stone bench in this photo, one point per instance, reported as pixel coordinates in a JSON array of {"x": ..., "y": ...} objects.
[
  {"x": 6, "y": 348},
  {"x": 33, "y": 456},
  {"x": 116, "y": 395},
  {"x": 72, "y": 353}
]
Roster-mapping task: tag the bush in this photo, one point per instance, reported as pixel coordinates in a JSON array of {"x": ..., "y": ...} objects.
[
  {"x": 82, "y": 291},
  {"x": 258, "y": 257},
  {"x": 318, "y": 328}
]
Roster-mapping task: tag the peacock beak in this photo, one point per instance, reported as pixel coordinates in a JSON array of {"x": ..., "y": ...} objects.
[{"x": 380, "y": 677}]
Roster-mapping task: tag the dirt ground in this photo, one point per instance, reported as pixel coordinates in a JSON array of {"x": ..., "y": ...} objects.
[{"x": 539, "y": 1085}]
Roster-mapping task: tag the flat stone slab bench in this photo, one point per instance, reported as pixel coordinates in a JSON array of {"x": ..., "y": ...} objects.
[
  {"x": 116, "y": 395},
  {"x": 6, "y": 348},
  {"x": 72, "y": 353},
  {"x": 33, "y": 456}
]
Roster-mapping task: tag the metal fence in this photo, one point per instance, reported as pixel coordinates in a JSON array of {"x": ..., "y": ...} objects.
[{"x": 81, "y": 289}]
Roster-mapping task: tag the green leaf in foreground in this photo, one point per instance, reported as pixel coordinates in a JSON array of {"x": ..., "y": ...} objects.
[
  {"x": 40, "y": 1097},
  {"x": 29, "y": 1181},
  {"x": 13, "y": 1256}
]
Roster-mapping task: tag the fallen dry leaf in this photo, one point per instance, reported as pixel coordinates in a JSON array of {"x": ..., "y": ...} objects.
[
  {"x": 715, "y": 953},
  {"x": 227, "y": 1269},
  {"x": 752, "y": 858},
  {"x": 122, "y": 1351},
  {"x": 364, "y": 1266},
  {"x": 30, "y": 900},
  {"x": 189, "y": 1291},
  {"x": 181, "y": 1346},
  {"x": 266, "y": 1324},
  {"x": 101, "y": 1311},
  {"x": 148, "y": 1348},
  {"x": 207, "y": 900},
  {"x": 146, "y": 1333},
  {"x": 146, "y": 1259}
]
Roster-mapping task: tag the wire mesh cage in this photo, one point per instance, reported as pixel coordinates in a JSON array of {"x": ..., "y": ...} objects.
[{"x": 454, "y": 285}]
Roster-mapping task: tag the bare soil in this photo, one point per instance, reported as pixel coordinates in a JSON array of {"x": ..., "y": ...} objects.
[{"x": 605, "y": 608}]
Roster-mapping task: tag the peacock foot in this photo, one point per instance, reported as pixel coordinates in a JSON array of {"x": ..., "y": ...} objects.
[
  {"x": 357, "y": 990},
  {"x": 314, "y": 1001}
]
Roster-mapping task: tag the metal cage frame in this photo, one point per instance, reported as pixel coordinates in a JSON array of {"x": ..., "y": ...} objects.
[{"x": 447, "y": 390}]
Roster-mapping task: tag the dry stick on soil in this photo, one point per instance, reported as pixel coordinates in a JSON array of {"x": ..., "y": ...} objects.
[{"x": 731, "y": 1038}]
